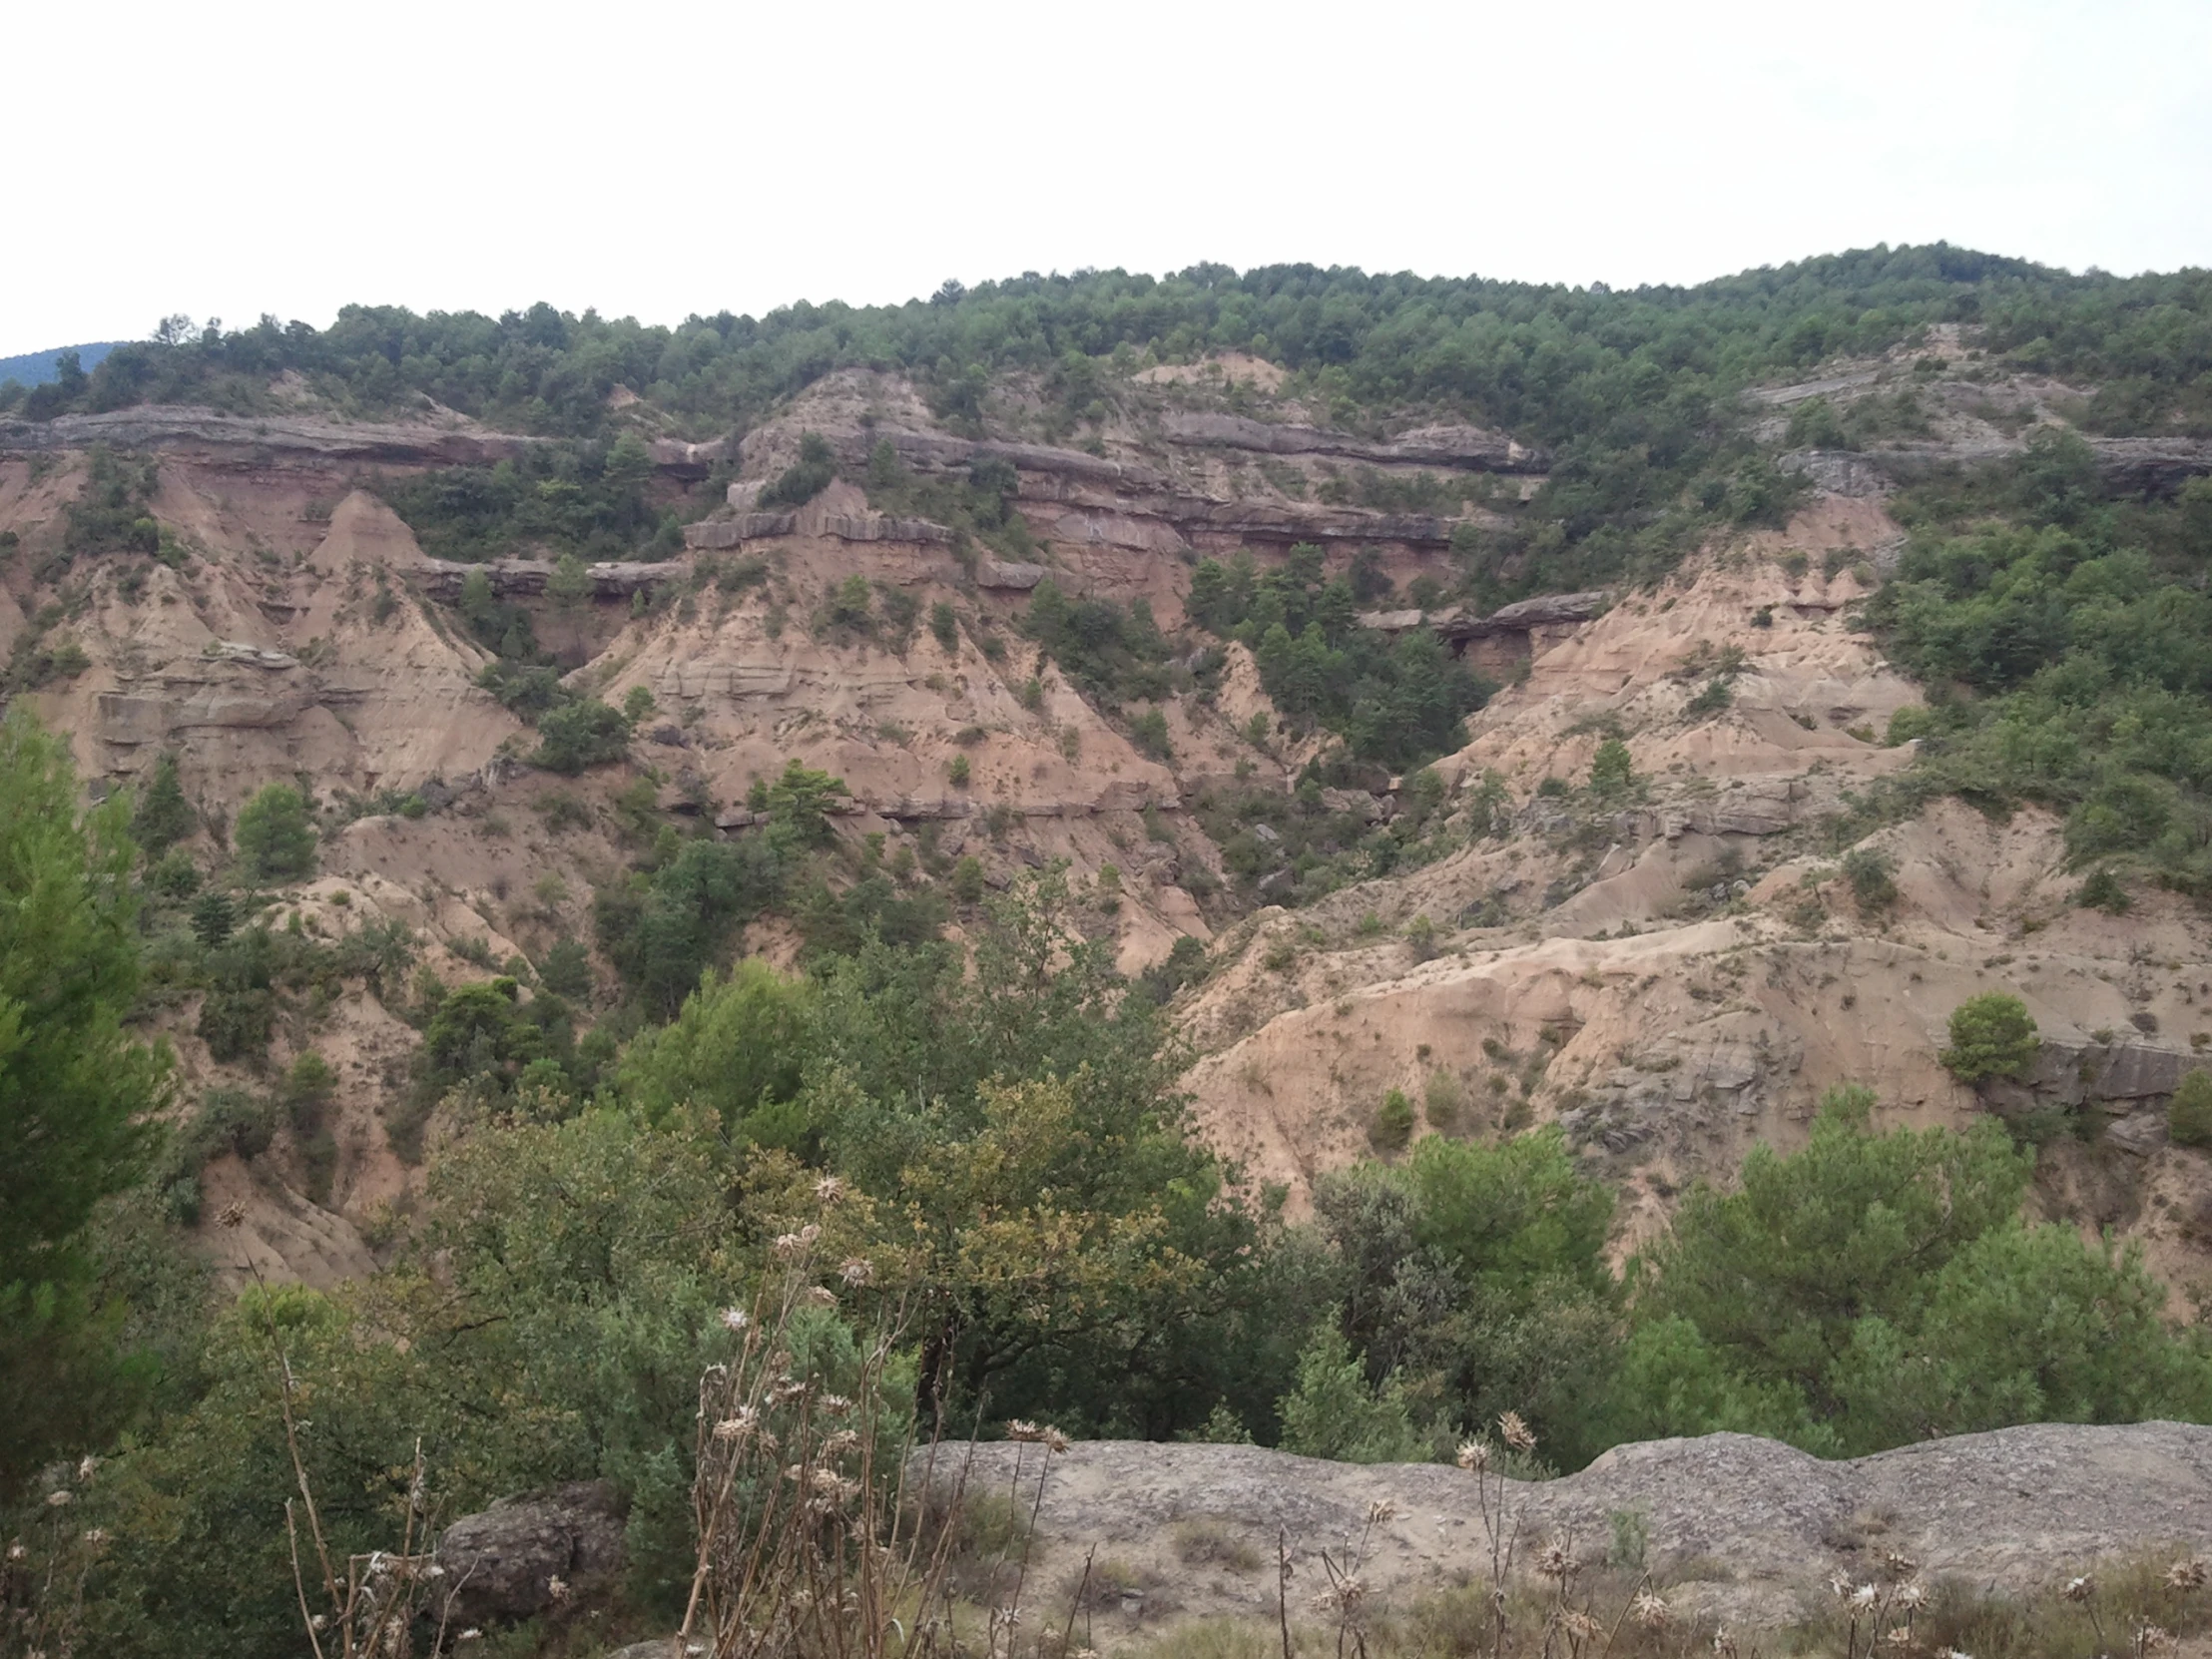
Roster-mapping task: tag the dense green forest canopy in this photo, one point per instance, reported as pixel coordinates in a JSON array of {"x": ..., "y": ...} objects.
[{"x": 1555, "y": 364}]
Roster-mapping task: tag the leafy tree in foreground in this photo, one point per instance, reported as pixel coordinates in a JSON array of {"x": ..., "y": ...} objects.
[
  {"x": 76, "y": 1096},
  {"x": 1476, "y": 1276},
  {"x": 1877, "y": 1288}
]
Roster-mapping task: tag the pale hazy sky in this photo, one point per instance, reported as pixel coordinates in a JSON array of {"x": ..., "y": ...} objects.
[{"x": 655, "y": 160}]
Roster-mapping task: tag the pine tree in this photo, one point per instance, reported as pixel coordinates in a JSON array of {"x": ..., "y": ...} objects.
[
  {"x": 77, "y": 1097},
  {"x": 163, "y": 816},
  {"x": 213, "y": 917},
  {"x": 275, "y": 837}
]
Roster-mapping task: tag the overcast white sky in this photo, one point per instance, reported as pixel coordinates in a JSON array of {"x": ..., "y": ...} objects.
[{"x": 666, "y": 158}]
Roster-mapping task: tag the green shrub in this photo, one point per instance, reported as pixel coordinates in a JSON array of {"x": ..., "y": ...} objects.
[
  {"x": 163, "y": 816},
  {"x": 806, "y": 478},
  {"x": 236, "y": 1022},
  {"x": 1870, "y": 871},
  {"x": 1710, "y": 701},
  {"x": 213, "y": 917},
  {"x": 956, "y": 772},
  {"x": 1611, "y": 770},
  {"x": 944, "y": 625},
  {"x": 2189, "y": 1113},
  {"x": 1148, "y": 731},
  {"x": 2103, "y": 891},
  {"x": 565, "y": 968},
  {"x": 578, "y": 735},
  {"x": 1442, "y": 1099},
  {"x": 1394, "y": 1122},
  {"x": 1992, "y": 1035},
  {"x": 1333, "y": 1413},
  {"x": 968, "y": 879},
  {"x": 1420, "y": 933},
  {"x": 275, "y": 837},
  {"x": 174, "y": 875}
]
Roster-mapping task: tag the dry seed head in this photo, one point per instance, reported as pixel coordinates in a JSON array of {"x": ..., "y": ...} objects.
[
  {"x": 839, "y": 1443},
  {"x": 857, "y": 1272},
  {"x": 1516, "y": 1432},
  {"x": 57, "y": 1501},
  {"x": 735, "y": 1319},
  {"x": 97, "y": 1537},
  {"x": 16, "y": 1551},
  {"x": 471, "y": 1634},
  {"x": 1019, "y": 1429},
  {"x": 557, "y": 1588},
  {"x": 739, "y": 1427},
  {"x": 1475, "y": 1456},
  {"x": 820, "y": 1295},
  {"x": 835, "y": 1406},
  {"x": 2187, "y": 1575},
  {"x": 2079, "y": 1589},
  {"x": 1839, "y": 1586},
  {"x": 1863, "y": 1596},
  {"x": 829, "y": 1189},
  {"x": 231, "y": 1217},
  {"x": 1911, "y": 1596},
  {"x": 87, "y": 1467},
  {"x": 2152, "y": 1639},
  {"x": 1580, "y": 1625},
  {"x": 787, "y": 1244},
  {"x": 1345, "y": 1593},
  {"x": 1053, "y": 1439},
  {"x": 1650, "y": 1611},
  {"x": 1724, "y": 1645},
  {"x": 1553, "y": 1562},
  {"x": 1380, "y": 1511},
  {"x": 1899, "y": 1566},
  {"x": 1898, "y": 1636}
]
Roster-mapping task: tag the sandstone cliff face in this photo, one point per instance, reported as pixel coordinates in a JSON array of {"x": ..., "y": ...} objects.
[
  {"x": 1670, "y": 974},
  {"x": 1676, "y": 976}
]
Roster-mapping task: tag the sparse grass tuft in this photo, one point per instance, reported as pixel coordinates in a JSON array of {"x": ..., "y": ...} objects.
[{"x": 1208, "y": 1541}]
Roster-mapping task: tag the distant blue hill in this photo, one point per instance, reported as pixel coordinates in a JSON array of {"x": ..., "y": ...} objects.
[{"x": 36, "y": 368}]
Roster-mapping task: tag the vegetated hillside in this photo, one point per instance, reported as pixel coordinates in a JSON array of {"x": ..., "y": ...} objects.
[
  {"x": 1505, "y": 754},
  {"x": 38, "y": 368}
]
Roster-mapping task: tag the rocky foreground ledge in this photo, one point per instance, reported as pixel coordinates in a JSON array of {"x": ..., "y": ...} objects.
[{"x": 1747, "y": 1527}]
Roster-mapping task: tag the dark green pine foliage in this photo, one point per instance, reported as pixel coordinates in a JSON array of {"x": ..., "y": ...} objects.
[{"x": 76, "y": 1098}]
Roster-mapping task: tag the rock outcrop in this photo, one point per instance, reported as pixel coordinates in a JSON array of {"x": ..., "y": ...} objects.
[
  {"x": 509, "y": 578},
  {"x": 1524, "y": 616},
  {"x": 1467, "y": 448},
  {"x": 524, "y": 1554},
  {"x": 241, "y": 438},
  {"x": 1742, "y": 1528}
]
